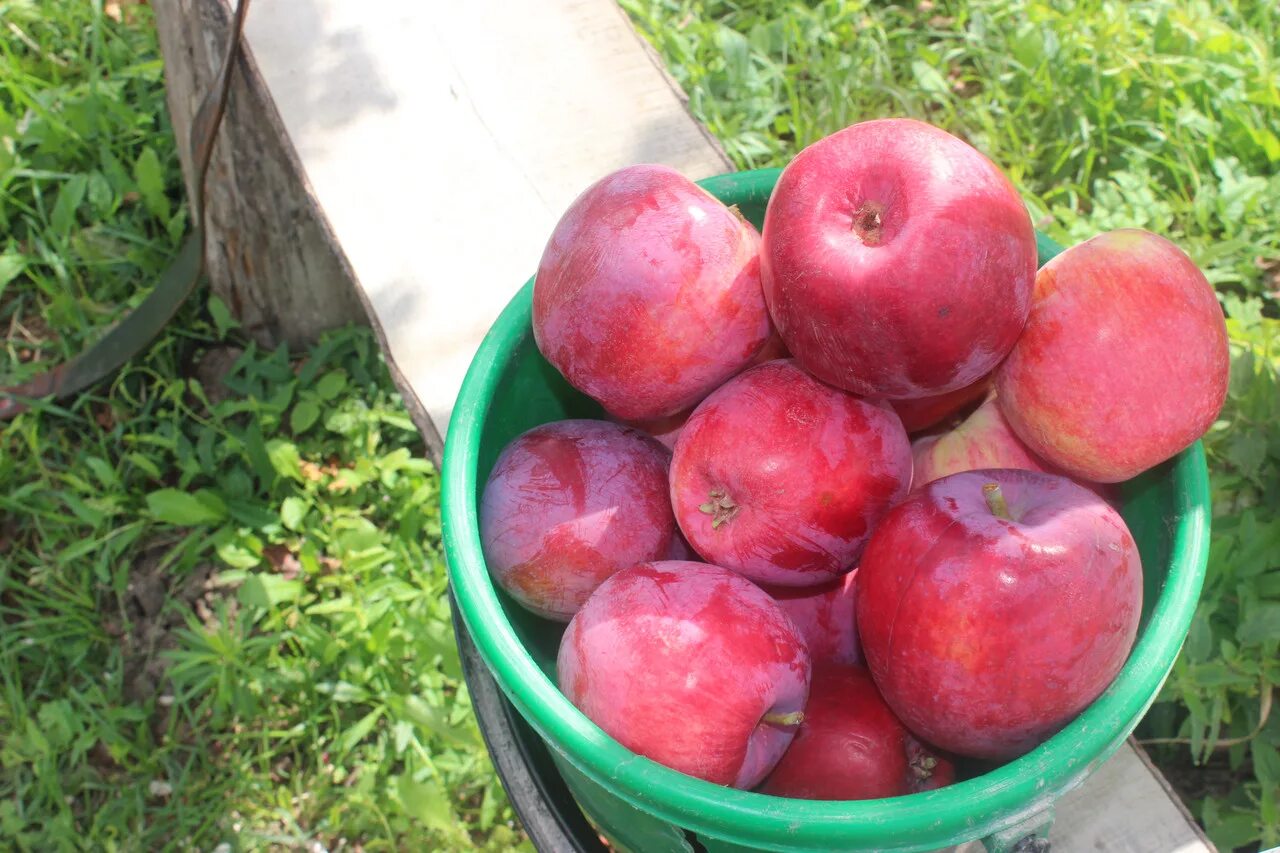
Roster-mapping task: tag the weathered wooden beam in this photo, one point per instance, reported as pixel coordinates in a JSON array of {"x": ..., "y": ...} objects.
[{"x": 270, "y": 256}]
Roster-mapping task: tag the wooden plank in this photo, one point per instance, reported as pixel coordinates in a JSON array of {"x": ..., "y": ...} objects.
[
  {"x": 268, "y": 255},
  {"x": 1124, "y": 807},
  {"x": 443, "y": 140}
]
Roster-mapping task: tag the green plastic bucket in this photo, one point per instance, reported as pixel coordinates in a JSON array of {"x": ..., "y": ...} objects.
[{"x": 642, "y": 806}]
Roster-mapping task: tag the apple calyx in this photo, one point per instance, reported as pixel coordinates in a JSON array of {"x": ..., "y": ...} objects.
[
  {"x": 794, "y": 718},
  {"x": 995, "y": 501},
  {"x": 922, "y": 766},
  {"x": 721, "y": 508},
  {"x": 867, "y": 223}
]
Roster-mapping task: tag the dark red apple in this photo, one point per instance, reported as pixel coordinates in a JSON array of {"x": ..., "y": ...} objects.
[
  {"x": 665, "y": 430},
  {"x": 825, "y": 616},
  {"x": 1124, "y": 359},
  {"x": 920, "y": 414},
  {"x": 994, "y": 606},
  {"x": 781, "y": 477},
  {"x": 897, "y": 260},
  {"x": 567, "y": 504},
  {"x": 850, "y": 746},
  {"x": 690, "y": 665},
  {"x": 648, "y": 294}
]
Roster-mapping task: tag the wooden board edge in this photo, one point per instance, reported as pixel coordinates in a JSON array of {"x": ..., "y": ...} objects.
[
  {"x": 656, "y": 61},
  {"x": 1170, "y": 792},
  {"x": 417, "y": 411}
]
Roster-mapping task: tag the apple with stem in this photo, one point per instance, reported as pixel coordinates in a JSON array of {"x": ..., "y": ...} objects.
[
  {"x": 995, "y": 605},
  {"x": 850, "y": 746},
  {"x": 897, "y": 260}
]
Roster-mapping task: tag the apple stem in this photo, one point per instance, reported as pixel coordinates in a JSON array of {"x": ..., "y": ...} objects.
[
  {"x": 794, "y": 718},
  {"x": 867, "y": 223},
  {"x": 922, "y": 766},
  {"x": 995, "y": 501},
  {"x": 721, "y": 508}
]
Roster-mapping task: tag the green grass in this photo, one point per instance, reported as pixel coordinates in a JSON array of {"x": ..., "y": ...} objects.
[{"x": 220, "y": 572}]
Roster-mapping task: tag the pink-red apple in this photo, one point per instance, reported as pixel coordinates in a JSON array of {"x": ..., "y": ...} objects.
[
  {"x": 897, "y": 260},
  {"x": 569, "y": 503},
  {"x": 825, "y": 616},
  {"x": 690, "y": 665},
  {"x": 924, "y": 412},
  {"x": 781, "y": 477},
  {"x": 983, "y": 440},
  {"x": 994, "y": 606},
  {"x": 667, "y": 430},
  {"x": 1123, "y": 362},
  {"x": 850, "y": 746},
  {"x": 648, "y": 294}
]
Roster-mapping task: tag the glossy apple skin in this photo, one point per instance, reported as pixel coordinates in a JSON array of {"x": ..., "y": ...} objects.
[
  {"x": 987, "y": 635},
  {"x": 569, "y": 503},
  {"x": 1124, "y": 359},
  {"x": 925, "y": 412},
  {"x": 983, "y": 440},
  {"x": 680, "y": 662},
  {"x": 850, "y": 746},
  {"x": 925, "y": 300},
  {"x": 648, "y": 294},
  {"x": 825, "y": 616},
  {"x": 781, "y": 477},
  {"x": 667, "y": 430}
]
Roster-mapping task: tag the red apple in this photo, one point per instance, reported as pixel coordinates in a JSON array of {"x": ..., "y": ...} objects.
[
  {"x": 1124, "y": 359},
  {"x": 994, "y": 606},
  {"x": 648, "y": 294},
  {"x": 665, "y": 430},
  {"x": 690, "y": 665},
  {"x": 983, "y": 440},
  {"x": 850, "y": 746},
  {"x": 920, "y": 414},
  {"x": 825, "y": 616},
  {"x": 897, "y": 260},
  {"x": 781, "y": 477},
  {"x": 567, "y": 504}
]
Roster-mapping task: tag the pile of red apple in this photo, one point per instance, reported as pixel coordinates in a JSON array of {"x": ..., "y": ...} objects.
[{"x": 795, "y": 596}]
